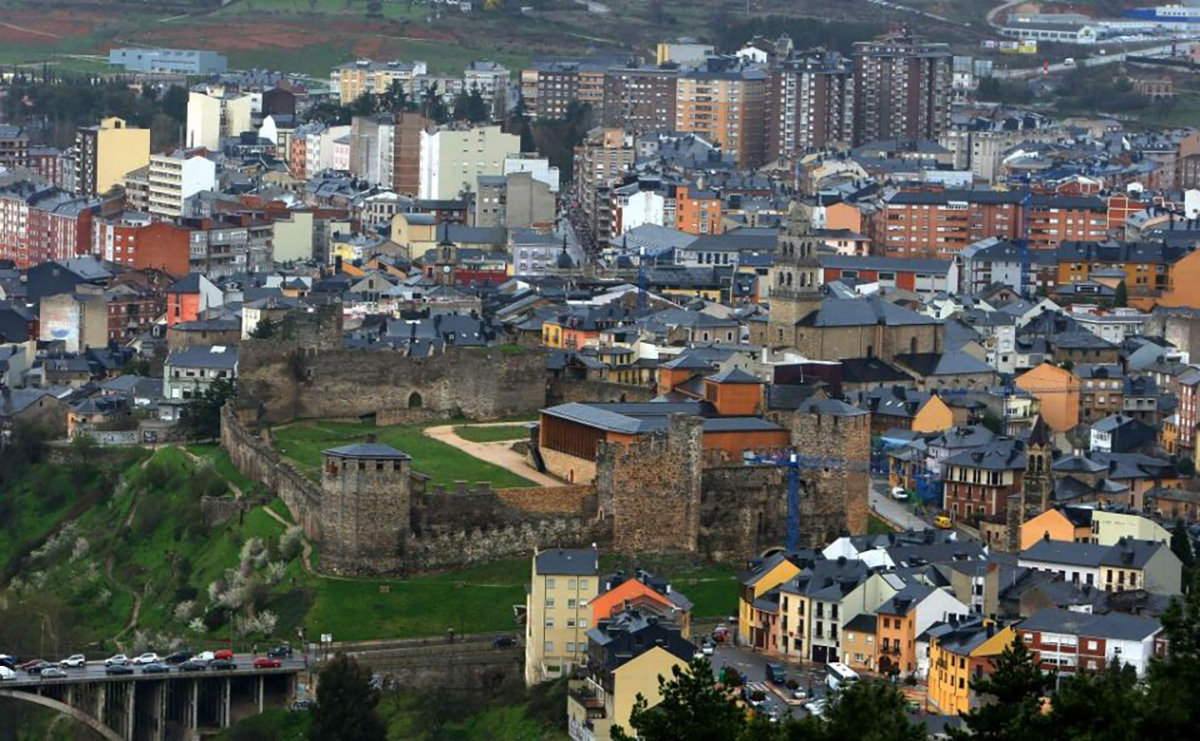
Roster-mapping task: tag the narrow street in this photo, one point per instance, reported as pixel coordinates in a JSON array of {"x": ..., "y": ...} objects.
[{"x": 890, "y": 509}]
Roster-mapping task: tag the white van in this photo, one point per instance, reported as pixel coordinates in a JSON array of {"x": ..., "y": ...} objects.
[{"x": 839, "y": 676}]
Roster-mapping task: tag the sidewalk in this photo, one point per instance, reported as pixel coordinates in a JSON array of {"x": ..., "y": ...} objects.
[{"x": 499, "y": 453}]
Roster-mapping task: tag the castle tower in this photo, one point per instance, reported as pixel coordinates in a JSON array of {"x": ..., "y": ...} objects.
[
  {"x": 794, "y": 292},
  {"x": 833, "y": 440},
  {"x": 365, "y": 508}
]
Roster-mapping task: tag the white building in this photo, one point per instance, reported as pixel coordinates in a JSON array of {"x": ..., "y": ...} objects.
[
  {"x": 539, "y": 167},
  {"x": 213, "y": 112},
  {"x": 453, "y": 159},
  {"x": 642, "y": 207},
  {"x": 1114, "y": 325},
  {"x": 319, "y": 149},
  {"x": 174, "y": 178}
]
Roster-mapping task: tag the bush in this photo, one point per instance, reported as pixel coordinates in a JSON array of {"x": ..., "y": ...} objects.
[
  {"x": 186, "y": 593},
  {"x": 214, "y": 619}
]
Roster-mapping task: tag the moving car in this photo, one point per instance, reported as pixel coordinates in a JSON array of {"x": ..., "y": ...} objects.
[
  {"x": 53, "y": 672},
  {"x": 504, "y": 642},
  {"x": 193, "y": 665},
  {"x": 899, "y": 494},
  {"x": 37, "y": 666},
  {"x": 8, "y": 661},
  {"x": 6, "y": 673},
  {"x": 224, "y": 653},
  {"x": 179, "y": 657},
  {"x": 281, "y": 652},
  {"x": 74, "y": 661},
  {"x": 267, "y": 662},
  {"x": 118, "y": 669},
  {"x": 222, "y": 665},
  {"x": 204, "y": 656},
  {"x": 943, "y": 522},
  {"x": 708, "y": 648},
  {"x": 147, "y": 658},
  {"x": 156, "y": 667},
  {"x": 776, "y": 674},
  {"x": 118, "y": 660},
  {"x": 816, "y": 708},
  {"x": 720, "y": 634}
]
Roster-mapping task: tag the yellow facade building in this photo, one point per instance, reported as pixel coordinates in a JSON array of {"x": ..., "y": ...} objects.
[
  {"x": 959, "y": 653},
  {"x": 106, "y": 153},
  {"x": 557, "y": 617}
]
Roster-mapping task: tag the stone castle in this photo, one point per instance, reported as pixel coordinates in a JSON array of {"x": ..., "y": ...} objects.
[{"x": 372, "y": 514}]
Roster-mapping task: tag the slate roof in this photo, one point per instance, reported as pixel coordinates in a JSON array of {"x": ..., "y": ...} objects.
[
  {"x": 204, "y": 356},
  {"x": 950, "y": 363},
  {"x": 367, "y": 450},
  {"x": 568, "y": 562},
  {"x": 1072, "y": 554},
  {"x": 734, "y": 375},
  {"x": 1113, "y": 625},
  {"x": 1006, "y": 456},
  {"x": 836, "y": 312}
]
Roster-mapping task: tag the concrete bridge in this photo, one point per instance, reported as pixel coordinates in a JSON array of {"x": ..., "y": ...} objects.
[{"x": 175, "y": 706}]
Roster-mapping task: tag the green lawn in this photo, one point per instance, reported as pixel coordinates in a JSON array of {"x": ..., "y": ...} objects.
[
  {"x": 473, "y": 600},
  {"x": 224, "y": 466},
  {"x": 876, "y": 526},
  {"x": 445, "y": 464},
  {"x": 499, "y": 433}
]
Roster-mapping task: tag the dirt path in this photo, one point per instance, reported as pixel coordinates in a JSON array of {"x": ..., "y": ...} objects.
[
  {"x": 200, "y": 461},
  {"x": 133, "y": 618},
  {"x": 496, "y": 453},
  {"x": 306, "y": 554},
  {"x": 35, "y": 32}
]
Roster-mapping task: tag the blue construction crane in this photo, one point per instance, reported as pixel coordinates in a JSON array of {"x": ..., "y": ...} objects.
[{"x": 1023, "y": 241}]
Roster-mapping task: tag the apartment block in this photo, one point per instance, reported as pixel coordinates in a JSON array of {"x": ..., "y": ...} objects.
[
  {"x": 14, "y": 146},
  {"x": 38, "y": 225},
  {"x": 639, "y": 99},
  {"x": 939, "y": 223},
  {"x": 492, "y": 81},
  {"x": 451, "y": 160},
  {"x": 385, "y": 150},
  {"x": 362, "y": 76},
  {"x": 214, "y": 112},
  {"x": 601, "y": 158},
  {"x": 564, "y": 582},
  {"x": 105, "y": 153},
  {"x": 901, "y": 88},
  {"x": 727, "y": 106},
  {"x": 810, "y": 104},
  {"x": 175, "y": 177},
  {"x": 134, "y": 239}
]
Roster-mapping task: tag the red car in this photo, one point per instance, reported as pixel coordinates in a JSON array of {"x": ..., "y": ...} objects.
[
  {"x": 225, "y": 653},
  {"x": 267, "y": 662}
]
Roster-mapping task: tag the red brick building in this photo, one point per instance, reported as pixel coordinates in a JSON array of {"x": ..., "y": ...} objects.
[
  {"x": 979, "y": 482},
  {"x": 42, "y": 224},
  {"x": 133, "y": 239},
  {"x": 940, "y": 223}
]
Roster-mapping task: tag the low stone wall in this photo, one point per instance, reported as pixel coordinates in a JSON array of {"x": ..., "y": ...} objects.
[
  {"x": 219, "y": 509},
  {"x": 562, "y": 391},
  {"x": 389, "y": 417}
]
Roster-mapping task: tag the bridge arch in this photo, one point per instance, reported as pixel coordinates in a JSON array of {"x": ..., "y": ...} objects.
[{"x": 62, "y": 707}]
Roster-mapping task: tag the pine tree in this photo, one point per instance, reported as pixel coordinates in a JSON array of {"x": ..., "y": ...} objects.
[
  {"x": 1104, "y": 706},
  {"x": 1013, "y": 708},
  {"x": 693, "y": 707},
  {"x": 1173, "y": 697},
  {"x": 346, "y": 704},
  {"x": 1181, "y": 545},
  {"x": 1122, "y": 297}
]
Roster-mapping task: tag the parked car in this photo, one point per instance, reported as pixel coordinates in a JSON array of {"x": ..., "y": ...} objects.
[
  {"x": 899, "y": 494},
  {"x": 799, "y": 694},
  {"x": 193, "y": 665},
  {"x": 281, "y": 652},
  {"x": 74, "y": 661},
  {"x": 943, "y": 522},
  {"x": 156, "y": 667},
  {"x": 754, "y": 698},
  {"x": 708, "y": 648},
  {"x": 147, "y": 658},
  {"x": 222, "y": 665},
  {"x": 179, "y": 657},
  {"x": 118, "y": 660},
  {"x": 504, "y": 642},
  {"x": 7, "y": 673},
  {"x": 267, "y": 662},
  {"x": 118, "y": 669},
  {"x": 224, "y": 653},
  {"x": 816, "y": 708},
  {"x": 720, "y": 634},
  {"x": 204, "y": 656},
  {"x": 52, "y": 672}
]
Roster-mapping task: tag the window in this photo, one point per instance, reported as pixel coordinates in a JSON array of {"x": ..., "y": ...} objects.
[
  {"x": 549, "y": 622},
  {"x": 549, "y": 584},
  {"x": 571, "y": 584},
  {"x": 570, "y": 623},
  {"x": 550, "y": 604},
  {"x": 583, "y": 583},
  {"x": 570, "y": 604},
  {"x": 570, "y": 647},
  {"x": 549, "y": 646}
]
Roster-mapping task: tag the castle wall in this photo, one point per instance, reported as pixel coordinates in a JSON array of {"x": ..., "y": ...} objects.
[
  {"x": 561, "y": 391},
  {"x": 743, "y": 511},
  {"x": 841, "y": 482}
]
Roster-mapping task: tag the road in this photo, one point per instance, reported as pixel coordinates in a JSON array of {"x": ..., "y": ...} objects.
[
  {"x": 753, "y": 667},
  {"x": 94, "y": 672},
  {"x": 1093, "y": 61},
  {"x": 892, "y": 510}
]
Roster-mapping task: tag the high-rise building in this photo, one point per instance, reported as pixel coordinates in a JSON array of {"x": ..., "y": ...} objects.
[
  {"x": 639, "y": 99},
  {"x": 492, "y": 82},
  {"x": 105, "y": 153},
  {"x": 14, "y": 146},
  {"x": 724, "y": 102},
  {"x": 600, "y": 160},
  {"x": 901, "y": 88},
  {"x": 385, "y": 150},
  {"x": 811, "y": 104}
]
